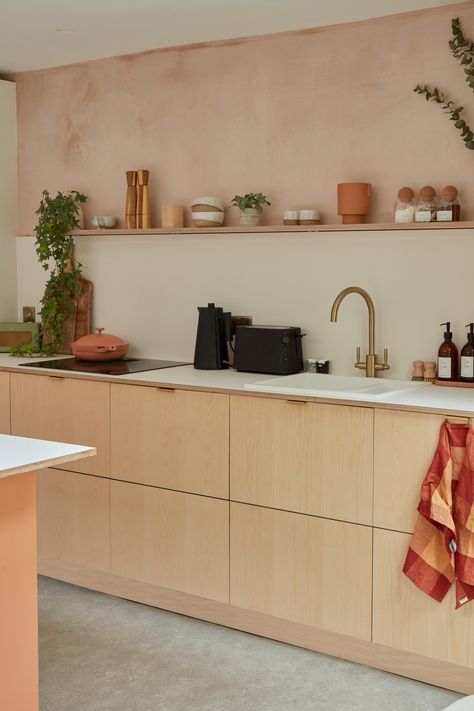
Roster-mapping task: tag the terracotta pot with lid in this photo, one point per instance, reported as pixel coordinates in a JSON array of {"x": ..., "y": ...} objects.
[{"x": 99, "y": 346}]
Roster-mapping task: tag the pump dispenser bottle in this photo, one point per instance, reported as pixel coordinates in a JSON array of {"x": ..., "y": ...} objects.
[
  {"x": 448, "y": 357},
  {"x": 467, "y": 357}
]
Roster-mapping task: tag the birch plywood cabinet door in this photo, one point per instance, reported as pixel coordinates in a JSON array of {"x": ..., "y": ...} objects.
[
  {"x": 64, "y": 410},
  {"x": 407, "y": 619},
  {"x": 404, "y": 446},
  {"x": 4, "y": 403},
  {"x": 74, "y": 518},
  {"x": 171, "y": 539},
  {"x": 300, "y": 456},
  {"x": 302, "y": 568},
  {"x": 174, "y": 439}
]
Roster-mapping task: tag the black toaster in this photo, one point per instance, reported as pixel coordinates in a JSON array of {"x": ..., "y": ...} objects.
[{"x": 268, "y": 349}]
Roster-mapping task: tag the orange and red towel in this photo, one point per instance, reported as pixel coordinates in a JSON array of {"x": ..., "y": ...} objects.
[{"x": 442, "y": 546}]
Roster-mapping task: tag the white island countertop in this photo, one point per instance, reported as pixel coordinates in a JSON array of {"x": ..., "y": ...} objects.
[
  {"x": 428, "y": 398},
  {"x": 22, "y": 454}
]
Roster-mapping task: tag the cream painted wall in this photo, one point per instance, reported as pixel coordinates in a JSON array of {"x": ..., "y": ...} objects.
[
  {"x": 147, "y": 288},
  {"x": 8, "y": 201}
]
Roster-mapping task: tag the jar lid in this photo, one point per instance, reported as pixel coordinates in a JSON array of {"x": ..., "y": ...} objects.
[
  {"x": 406, "y": 194},
  {"x": 427, "y": 192},
  {"x": 449, "y": 192}
]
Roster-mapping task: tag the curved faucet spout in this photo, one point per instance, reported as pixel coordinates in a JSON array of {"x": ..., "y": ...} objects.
[{"x": 370, "y": 305}]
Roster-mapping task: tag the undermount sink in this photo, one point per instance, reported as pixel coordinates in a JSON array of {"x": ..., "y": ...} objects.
[{"x": 338, "y": 386}]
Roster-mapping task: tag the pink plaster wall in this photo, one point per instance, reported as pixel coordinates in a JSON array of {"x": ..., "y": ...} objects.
[{"x": 290, "y": 115}]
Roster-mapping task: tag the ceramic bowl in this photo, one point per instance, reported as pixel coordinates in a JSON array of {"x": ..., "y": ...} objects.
[
  {"x": 207, "y": 204},
  {"x": 208, "y": 219},
  {"x": 103, "y": 221},
  {"x": 309, "y": 217}
]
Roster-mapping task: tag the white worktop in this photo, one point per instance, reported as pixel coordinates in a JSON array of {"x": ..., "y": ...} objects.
[
  {"x": 22, "y": 454},
  {"x": 428, "y": 397}
]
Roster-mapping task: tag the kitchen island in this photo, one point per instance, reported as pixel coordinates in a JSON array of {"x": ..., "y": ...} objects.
[
  {"x": 20, "y": 458},
  {"x": 280, "y": 514}
]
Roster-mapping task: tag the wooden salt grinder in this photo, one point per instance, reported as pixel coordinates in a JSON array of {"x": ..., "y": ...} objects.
[
  {"x": 131, "y": 201},
  {"x": 143, "y": 200},
  {"x": 417, "y": 372}
]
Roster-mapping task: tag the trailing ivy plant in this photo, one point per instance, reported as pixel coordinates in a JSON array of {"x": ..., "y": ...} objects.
[
  {"x": 462, "y": 49},
  {"x": 57, "y": 217}
]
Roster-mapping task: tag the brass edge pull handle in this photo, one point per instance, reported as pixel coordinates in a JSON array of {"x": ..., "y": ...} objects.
[
  {"x": 56, "y": 377},
  {"x": 162, "y": 387},
  {"x": 297, "y": 402}
]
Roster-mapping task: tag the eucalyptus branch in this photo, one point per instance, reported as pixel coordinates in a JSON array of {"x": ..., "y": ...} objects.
[
  {"x": 449, "y": 108},
  {"x": 462, "y": 49}
]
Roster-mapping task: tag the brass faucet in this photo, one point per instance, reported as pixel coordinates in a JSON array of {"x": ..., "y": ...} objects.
[{"x": 370, "y": 366}]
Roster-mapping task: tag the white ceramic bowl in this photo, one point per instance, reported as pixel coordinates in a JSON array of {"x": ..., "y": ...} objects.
[
  {"x": 208, "y": 219},
  {"x": 309, "y": 215},
  {"x": 203, "y": 202},
  {"x": 103, "y": 221}
]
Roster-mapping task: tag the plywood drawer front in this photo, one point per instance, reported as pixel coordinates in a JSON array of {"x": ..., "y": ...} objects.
[
  {"x": 64, "y": 410},
  {"x": 405, "y": 443},
  {"x": 301, "y": 568},
  {"x": 167, "y": 538},
  {"x": 312, "y": 458},
  {"x": 4, "y": 403},
  {"x": 171, "y": 438},
  {"x": 74, "y": 518},
  {"x": 407, "y": 619}
]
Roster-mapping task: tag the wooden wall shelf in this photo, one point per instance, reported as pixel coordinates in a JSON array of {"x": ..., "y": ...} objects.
[{"x": 272, "y": 229}]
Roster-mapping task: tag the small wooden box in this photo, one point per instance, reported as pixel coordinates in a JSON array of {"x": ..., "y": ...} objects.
[{"x": 17, "y": 334}]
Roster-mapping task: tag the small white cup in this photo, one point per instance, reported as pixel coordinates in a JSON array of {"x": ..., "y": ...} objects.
[
  {"x": 290, "y": 217},
  {"x": 305, "y": 215}
]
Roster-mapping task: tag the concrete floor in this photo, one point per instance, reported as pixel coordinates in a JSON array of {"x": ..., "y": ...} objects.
[{"x": 99, "y": 652}]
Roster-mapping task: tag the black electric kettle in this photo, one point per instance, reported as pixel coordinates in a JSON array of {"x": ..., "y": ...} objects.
[{"x": 213, "y": 333}]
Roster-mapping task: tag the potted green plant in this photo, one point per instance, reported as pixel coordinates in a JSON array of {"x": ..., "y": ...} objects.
[
  {"x": 57, "y": 217},
  {"x": 251, "y": 207}
]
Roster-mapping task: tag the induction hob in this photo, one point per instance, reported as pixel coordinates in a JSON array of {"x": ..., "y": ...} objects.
[{"x": 123, "y": 366}]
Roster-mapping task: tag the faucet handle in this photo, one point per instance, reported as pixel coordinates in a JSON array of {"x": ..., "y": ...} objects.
[
  {"x": 358, "y": 354},
  {"x": 385, "y": 357}
]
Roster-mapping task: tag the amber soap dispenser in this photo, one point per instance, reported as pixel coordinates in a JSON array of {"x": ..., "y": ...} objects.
[
  {"x": 467, "y": 357},
  {"x": 448, "y": 356}
]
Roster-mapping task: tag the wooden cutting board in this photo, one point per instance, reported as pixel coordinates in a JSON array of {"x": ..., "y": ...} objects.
[{"x": 79, "y": 323}]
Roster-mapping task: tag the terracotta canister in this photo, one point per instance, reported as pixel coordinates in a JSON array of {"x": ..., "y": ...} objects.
[
  {"x": 353, "y": 202},
  {"x": 99, "y": 346}
]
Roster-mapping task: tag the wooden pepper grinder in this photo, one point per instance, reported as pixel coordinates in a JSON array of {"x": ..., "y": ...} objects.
[
  {"x": 417, "y": 372},
  {"x": 143, "y": 200},
  {"x": 131, "y": 201}
]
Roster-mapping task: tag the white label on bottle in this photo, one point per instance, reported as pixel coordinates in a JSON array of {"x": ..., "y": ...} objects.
[
  {"x": 444, "y": 367},
  {"x": 423, "y": 216},
  {"x": 404, "y": 215},
  {"x": 444, "y": 216},
  {"x": 467, "y": 366}
]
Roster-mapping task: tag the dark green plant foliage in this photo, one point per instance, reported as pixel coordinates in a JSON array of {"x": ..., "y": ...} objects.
[
  {"x": 256, "y": 200},
  {"x": 57, "y": 217},
  {"x": 27, "y": 349},
  {"x": 462, "y": 49}
]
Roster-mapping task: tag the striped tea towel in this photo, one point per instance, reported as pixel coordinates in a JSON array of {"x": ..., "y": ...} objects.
[{"x": 442, "y": 546}]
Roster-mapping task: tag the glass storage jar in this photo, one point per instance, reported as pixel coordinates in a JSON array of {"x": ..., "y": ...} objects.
[{"x": 426, "y": 204}]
